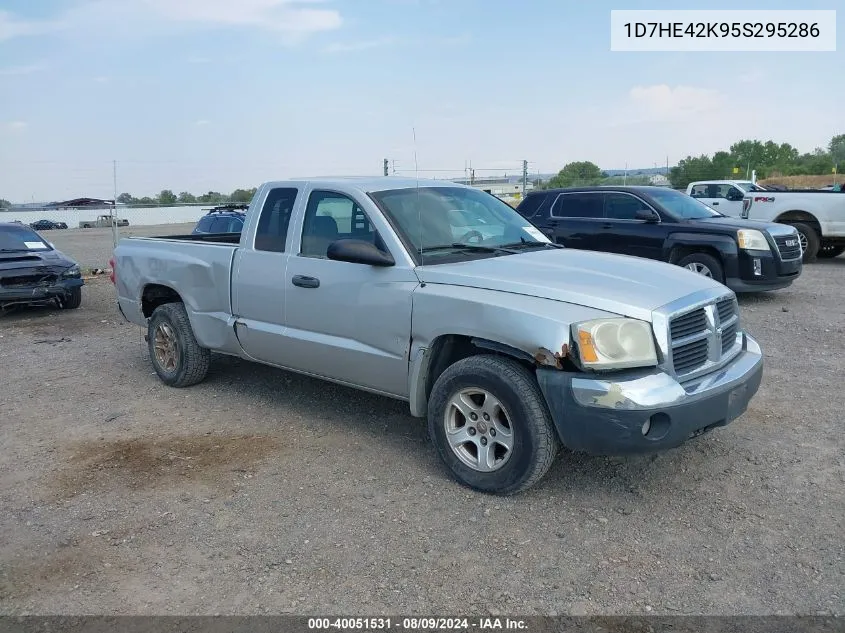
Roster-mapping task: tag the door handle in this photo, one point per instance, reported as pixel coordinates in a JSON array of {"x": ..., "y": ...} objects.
[
  {"x": 305, "y": 282},
  {"x": 715, "y": 204},
  {"x": 607, "y": 226}
]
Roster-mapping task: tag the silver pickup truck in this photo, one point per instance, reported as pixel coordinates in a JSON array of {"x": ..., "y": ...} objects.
[{"x": 443, "y": 296}]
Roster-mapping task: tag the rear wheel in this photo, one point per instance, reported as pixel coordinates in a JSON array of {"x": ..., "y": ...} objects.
[
  {"x": 491, "y": 426},
  {"x": 177, "y": 358},
  {"x": 810, "y": 242},
  {"x": 829, "y": 251},
  {"x": 704, "y": 264}
]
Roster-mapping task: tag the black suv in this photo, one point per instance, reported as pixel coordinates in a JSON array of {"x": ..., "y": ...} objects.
[
  {"x": 668, "y": 225},
  {"x": 226, "y": 218}
]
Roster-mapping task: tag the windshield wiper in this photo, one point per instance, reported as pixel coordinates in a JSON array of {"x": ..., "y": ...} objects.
[
  {"x": 469, "y": 247},
  {"x": 524, "y": 244}
]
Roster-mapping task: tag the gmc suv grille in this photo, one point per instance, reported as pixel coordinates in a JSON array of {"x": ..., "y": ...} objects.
[{"x": 789, "y": 247}]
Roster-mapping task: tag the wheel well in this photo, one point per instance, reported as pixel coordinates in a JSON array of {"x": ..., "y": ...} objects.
[
  {"x": 800, "y": 216},
  {"x": 448, "y": 349},
  {"x": 155, "y": 295},
  {"x": 679, "y": 252}
]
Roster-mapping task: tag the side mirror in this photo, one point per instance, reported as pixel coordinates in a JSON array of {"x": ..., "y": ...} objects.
[
  {"x": 647, "y": 215},
  {"x": 358, "y": 252}
]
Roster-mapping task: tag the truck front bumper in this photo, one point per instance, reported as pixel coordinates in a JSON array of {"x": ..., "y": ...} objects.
[
  {"x": 648, "y": 411},
  {"x": 39, "y": 293}
]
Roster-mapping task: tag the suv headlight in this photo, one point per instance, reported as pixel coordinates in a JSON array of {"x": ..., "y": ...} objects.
[
  {"x": 72, "y": 273},
  {"x": 751, "y": 240},
  {"x": 615, "y": 343}
]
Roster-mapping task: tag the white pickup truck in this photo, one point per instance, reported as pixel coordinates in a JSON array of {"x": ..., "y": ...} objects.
[{"x": 818, "y": 216}]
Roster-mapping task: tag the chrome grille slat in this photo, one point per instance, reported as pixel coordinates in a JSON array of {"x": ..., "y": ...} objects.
[
  {"x": 703, "y": 337},
  {"x": 788, "y": 252}
]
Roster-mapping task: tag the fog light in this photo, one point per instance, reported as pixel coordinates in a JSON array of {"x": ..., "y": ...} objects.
[
  {"x": 646, "y": 426},
  {"x": 758, "y": 266}
]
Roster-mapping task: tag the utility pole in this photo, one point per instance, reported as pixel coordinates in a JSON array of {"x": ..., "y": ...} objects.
[
  {"x": 524, "y": 177},
  {"x": 114, "y": 205},
  {"x": 385, "y": 167}
]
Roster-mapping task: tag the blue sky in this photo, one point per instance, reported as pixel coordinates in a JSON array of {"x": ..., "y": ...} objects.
[{"x": 214, "y": 94}]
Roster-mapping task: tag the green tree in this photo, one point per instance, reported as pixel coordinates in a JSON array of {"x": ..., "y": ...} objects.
[
  {"x": 146, "y": 200},
  {"x": 212, "y": 197},
  {"x": 5, "y": 204},
  {"x": 125, "y": 198},
  {"x": 242, "y": 195},
  {"x": 837, "y": 149},
  {"x": 577, "y": 173},
  {"x": 187, "y": 197},
  {"x": 694, "y": 168},
  {"x": 167, "y": 197}
]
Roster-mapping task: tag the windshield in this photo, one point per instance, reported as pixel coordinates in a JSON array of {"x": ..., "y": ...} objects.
[
  {"x": 14, "y": 238},
  {"x": 437, "y": 221},
  {"x": 682, "y": 206}
]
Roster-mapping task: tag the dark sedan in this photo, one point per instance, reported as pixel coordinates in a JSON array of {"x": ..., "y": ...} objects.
[
  {"x": 33, "y": 272},
  {"x": 47, "y": 225}
]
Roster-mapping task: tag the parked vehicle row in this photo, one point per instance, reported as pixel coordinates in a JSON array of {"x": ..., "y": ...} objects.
[
  {"x": 818, "y": 216},
  {"x": 445, "y": 297},
  {"x": 103, "y": 221},
  {"x": 670, "y": 226},
  {"x": 32, "y": 271}
]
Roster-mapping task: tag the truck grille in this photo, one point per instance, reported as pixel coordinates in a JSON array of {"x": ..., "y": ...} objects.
[
  {"x": 788, "y": 251},
  {"x": 28, "y": 281},
  {"x": 704, "y": 336}
]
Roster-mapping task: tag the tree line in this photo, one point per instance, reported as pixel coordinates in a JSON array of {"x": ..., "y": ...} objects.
[
  {"x": 168, "y": 198},
  {"x": 768, "y": 158}
]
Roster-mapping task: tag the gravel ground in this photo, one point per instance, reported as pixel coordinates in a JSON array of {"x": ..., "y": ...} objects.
[
  {"x": 260, "y": 491},
  {"x": 92, "y": 248}
]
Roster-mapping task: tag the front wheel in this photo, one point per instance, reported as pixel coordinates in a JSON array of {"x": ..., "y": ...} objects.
[
  {"x": 810, "y": 242},
  {"x": 490, "y": 425},
  {"x": 177, "y": 358},
  {"x": 704, "y": 264},
  {"x": 73, "y": 299}
]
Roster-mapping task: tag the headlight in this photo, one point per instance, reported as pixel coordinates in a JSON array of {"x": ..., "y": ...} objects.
[
  {"x": 72, "y": 272},
  {"x": 751, "y": 240},
  {"x": 615, "y": 343}
]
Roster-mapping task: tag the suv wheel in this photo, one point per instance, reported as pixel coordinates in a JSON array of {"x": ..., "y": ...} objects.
[
  {"x": 810, "y": 242},
  {"x": 704, "y": 264},
  {"x": 490, "y": 425}
]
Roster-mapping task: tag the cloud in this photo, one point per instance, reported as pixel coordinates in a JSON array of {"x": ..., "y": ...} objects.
[
  {"x": 16, "y": 126},
  {"x": 293, "y": 20},
  {"x": 662, "y": 103},
  {"x": 11, "y": 27},
  {"x": 363, "y": 45},
  {"x": 22, "y": 70}
]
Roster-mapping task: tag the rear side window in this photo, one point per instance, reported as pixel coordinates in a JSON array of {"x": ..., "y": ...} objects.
[
  {"x": 220, "y": 225},
  {"x": 528, "y": 208},
  {"x": 699, "y": 191},
  {"x": 273, "y": 223},
  {"x": 204, "y": 225},
  {"x": 578, "y": 205}
]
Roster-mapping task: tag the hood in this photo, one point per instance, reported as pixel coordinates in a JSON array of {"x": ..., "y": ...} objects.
[
  {"x": 733, "y": 224},
  {"x": 52, "y": 261},
  {"x": 624, "y": 285}
]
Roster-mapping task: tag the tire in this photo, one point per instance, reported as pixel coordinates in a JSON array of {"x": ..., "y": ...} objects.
[
  {"x": 830, "y": 251},
  {"x": 706, "y": 262},
  {"x": 807, "y": 234},
  {"x": 184, "y": 363},
  {"x": 73, "y": 299},
  {"x": 533, "y": 441}
]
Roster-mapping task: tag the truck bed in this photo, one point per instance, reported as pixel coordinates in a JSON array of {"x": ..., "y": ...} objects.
[{"x": 210, "y": 238}]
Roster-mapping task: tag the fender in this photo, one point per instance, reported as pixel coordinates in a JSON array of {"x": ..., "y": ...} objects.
[{"x": 725, "y": 245}]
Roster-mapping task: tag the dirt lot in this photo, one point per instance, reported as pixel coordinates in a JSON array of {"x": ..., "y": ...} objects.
[{"x": 259, "y": 491}]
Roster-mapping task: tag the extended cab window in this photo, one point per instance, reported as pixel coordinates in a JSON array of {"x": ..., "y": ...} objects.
[
  {"x": 578, "y": 205},
  {"x": 333, "y": 216},
  {"x": 699, "y": 191},
  {"x": 273, "y": 224},
  {"x": 621, "y": 206}
]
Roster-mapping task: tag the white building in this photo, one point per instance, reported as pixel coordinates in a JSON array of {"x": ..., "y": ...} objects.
[{"x": 503, "y": 187}]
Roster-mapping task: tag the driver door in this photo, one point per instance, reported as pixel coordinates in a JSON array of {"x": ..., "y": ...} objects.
[{"x": 344, "y": 321}]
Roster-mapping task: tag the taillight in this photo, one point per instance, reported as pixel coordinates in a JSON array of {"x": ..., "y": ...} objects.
[{"x": 111, "y": 265}]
